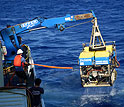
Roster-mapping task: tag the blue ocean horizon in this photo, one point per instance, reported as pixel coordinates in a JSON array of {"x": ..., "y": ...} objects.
[{"x": 52, "y": 47}]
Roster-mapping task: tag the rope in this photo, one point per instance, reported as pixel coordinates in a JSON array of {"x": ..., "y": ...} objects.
[
  {"x": 77, "y": 24},
  {"x": 117, "y": 62},
  {"x": 10, "y": 79},
  {"x": 8, "y": 67},
  {"x": 53, "y": 66}
]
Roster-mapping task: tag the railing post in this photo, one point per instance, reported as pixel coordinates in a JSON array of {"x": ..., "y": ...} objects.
[{"x": 1, "y": 68}]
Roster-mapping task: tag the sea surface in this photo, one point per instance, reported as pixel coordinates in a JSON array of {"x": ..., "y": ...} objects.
[{"x": 52, "y": 47}]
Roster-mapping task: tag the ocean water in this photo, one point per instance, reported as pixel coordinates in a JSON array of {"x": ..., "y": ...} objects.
[{"x": 52, "y": 47}]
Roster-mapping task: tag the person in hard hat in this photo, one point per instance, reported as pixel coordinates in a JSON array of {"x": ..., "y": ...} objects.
[
  {"x": 36, "y": 92},
  {"x": 19, "y": 63}
]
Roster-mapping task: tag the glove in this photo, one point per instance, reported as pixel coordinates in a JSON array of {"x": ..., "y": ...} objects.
[{"x": 28, "y": 64}]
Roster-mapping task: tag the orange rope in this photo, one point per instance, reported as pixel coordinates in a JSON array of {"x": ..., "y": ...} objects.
[
  {"x": 53, "y": 66},
  {"x": 117, "y": 62},
  {"x": 10, "y": 79}
]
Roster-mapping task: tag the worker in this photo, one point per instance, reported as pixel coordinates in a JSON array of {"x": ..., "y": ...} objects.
[
  {"x": 36, "y": 92},
  {"x": 19, "y": 63}
]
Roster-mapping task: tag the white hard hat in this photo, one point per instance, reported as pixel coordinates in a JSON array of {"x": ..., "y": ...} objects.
[{"x": 19, "y": 51}]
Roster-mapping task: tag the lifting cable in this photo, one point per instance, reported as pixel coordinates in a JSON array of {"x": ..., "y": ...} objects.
[
  {"x": 53, "y": 66},
  {"x": 77, "y": 24}
]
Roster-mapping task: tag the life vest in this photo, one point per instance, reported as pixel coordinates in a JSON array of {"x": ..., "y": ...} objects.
[{"x": 17, "y": 60}]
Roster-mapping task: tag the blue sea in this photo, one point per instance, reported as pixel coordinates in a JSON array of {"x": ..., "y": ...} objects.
[{"x": 52, "y": 47}]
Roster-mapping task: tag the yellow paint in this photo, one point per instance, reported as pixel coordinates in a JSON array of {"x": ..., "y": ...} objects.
[
  {"x": 102, "y": 54},
  {"x": 86, "y": 49},
  {"x": 109, "y": 48},
  {"x": 89, "y": 54},
  {"x": 86, "y": 55}
]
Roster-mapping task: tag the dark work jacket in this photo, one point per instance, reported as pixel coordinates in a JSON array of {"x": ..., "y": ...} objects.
[{"x": 36, "y": 95}]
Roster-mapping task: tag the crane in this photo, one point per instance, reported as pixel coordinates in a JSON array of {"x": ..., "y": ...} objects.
[
  {"x": 10, "y": 34},
  {"x": 12, "y": 41}
]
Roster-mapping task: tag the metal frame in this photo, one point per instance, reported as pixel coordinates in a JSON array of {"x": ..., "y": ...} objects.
[
  {"x": 96, "y": 35},
  {"x": 1, "y": 67}
]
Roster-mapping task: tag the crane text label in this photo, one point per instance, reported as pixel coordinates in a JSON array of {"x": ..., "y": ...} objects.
[{"x": 29, "y": 24}]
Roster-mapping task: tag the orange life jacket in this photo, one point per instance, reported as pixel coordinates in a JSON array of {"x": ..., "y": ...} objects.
[{"x": 17, "y": 60}]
